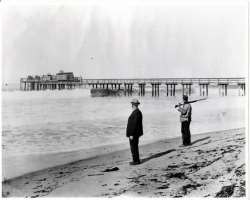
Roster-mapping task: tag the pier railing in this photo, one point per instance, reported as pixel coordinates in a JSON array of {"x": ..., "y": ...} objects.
[{"x": 167, "y": 80}]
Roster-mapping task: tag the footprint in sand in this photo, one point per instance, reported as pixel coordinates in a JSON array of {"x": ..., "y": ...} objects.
[
  {"x": 172, "y": 166},
  {"x": 43, "y": 179},
  {"x": 154, "y": 179},
  {"x": 95, "y": 174},
  {"x": 34, "y": 196},
  {"x": 5, "y": 194},
  {"x": 159, "y": 193},
  {"x": 75, "y": 179},
  {"x": 163, "y": 187},
  {"x": 180, "y": 175},
  {"x": 226, "y": 191},
  {"x": 37, "y": 187}
]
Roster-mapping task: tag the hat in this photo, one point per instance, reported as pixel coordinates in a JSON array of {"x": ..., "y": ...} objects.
[
  {"x": 185, "y": 97},
  {"x": 135, "y": 101}
]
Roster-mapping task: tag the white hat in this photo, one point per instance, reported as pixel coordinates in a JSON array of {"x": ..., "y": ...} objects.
[{"x": 135, "y": 101}]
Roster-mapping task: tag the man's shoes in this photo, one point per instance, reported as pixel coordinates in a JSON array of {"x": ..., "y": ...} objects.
[{"x": 135, "y": 163}]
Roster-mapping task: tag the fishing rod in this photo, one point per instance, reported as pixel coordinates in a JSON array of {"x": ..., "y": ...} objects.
[{"x": 177, "y": 105}]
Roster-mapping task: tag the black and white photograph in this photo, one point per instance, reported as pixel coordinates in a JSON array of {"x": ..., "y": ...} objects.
[{"x": 113, "y": 99}]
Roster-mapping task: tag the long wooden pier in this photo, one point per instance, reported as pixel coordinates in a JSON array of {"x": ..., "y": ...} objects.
[
  {"x": 171, "y": 84},
  {"x": 127, "y": 84}
]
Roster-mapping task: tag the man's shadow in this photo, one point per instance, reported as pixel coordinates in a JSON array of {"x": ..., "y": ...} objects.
[
  {"x": 157, "y": 155},
  {"x": 199, "y": 140},
  {"x": 169, "y": 151},
  {"x": 194, "y": 142}
]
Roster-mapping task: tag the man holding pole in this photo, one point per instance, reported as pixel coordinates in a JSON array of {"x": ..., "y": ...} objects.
[{"x": 186, "y": 112}]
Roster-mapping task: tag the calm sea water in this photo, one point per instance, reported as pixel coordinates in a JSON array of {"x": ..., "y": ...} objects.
[{"x": 57, "y": 121}]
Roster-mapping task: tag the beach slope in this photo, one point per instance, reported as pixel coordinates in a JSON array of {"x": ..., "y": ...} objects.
[{"x": 213, "y": 166}]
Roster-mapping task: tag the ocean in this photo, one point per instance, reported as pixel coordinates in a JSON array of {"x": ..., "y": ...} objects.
[{"x": 44, "y": 122}]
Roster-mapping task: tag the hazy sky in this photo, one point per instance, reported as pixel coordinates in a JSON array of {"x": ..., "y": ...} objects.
[{"x": 125, "y": 40}]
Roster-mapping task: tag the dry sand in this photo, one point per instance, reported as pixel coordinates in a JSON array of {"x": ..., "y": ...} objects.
[{"x": 213, "y": 166}]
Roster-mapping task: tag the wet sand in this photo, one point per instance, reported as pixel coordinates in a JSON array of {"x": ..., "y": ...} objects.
[{"x": 213, "y": 166}]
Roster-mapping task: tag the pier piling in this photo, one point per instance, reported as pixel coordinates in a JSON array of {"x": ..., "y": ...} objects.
[
  {"x": 242, "y": 89},
  {"x": 155, "y": 89},
  {"x": 203, "y": 89},
  {"x": 171, "y": 89},
  {"x": 223, "y": 89},
  {"x": 141, "y": 89},
  {"x": 186, "y": 88},
  {"x": 128, "y": 89}
]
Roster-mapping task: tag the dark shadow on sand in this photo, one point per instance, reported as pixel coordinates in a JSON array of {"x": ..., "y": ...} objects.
[
  {"x": 157, "y": 155},
  {"x": 199, "y": 140}
]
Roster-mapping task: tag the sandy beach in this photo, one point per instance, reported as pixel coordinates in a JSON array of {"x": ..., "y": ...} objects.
[{"x": 213, "y": 166}]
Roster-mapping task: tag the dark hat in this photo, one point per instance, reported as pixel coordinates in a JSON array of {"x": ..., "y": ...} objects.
[
  {"x": 185, "y": 97},
  {"x": 135, "y": 101}
]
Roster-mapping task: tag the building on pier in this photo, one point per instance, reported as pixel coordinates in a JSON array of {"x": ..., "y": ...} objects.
[
  {"x": 65, "y": 76},
  {"x": 62, "y": 80},
  {"x": 47, "y": 77}
]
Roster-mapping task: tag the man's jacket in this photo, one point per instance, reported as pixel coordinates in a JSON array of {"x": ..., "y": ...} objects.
[
  {"x": 134, "y": 126},
  {"x": 186, "y": 112}
]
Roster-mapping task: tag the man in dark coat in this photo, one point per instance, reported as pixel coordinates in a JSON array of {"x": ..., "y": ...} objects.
[
  {"x": 185, "y": 118},
  {"x": 134, "y": 131}
]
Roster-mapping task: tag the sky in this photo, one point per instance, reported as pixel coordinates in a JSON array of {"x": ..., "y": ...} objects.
[{"x": 155, "y": 39}]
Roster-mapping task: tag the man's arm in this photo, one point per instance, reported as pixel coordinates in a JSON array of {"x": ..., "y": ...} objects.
[{"x": 182, "y": 109}]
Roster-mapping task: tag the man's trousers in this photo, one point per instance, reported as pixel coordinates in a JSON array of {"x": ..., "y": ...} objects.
[
  {"x": 186, "y": 136},
  {"x": 135, "y": 149}
]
